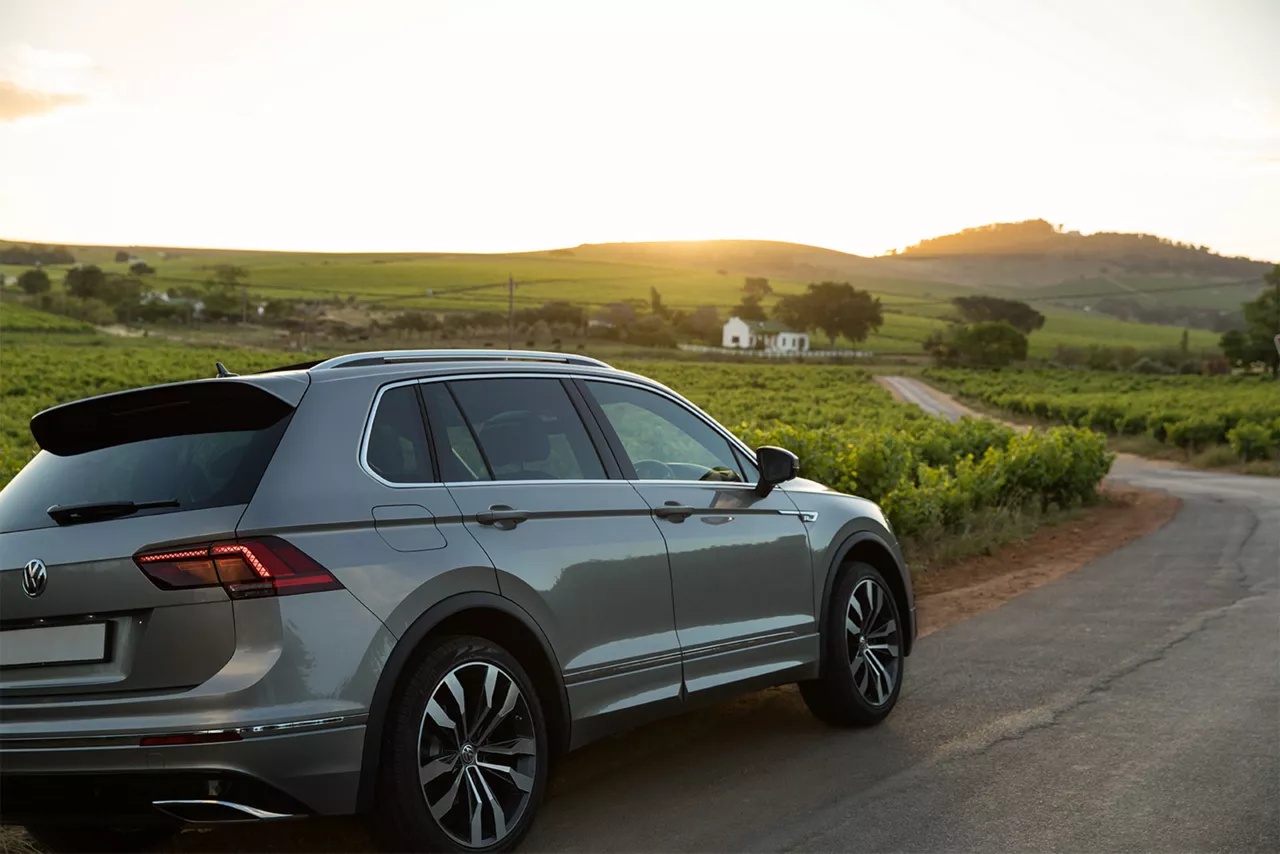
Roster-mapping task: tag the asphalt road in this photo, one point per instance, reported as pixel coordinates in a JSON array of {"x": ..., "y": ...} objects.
[
  {"x": 1131, "y": 705},
  {"x": 914, "y": 391}
]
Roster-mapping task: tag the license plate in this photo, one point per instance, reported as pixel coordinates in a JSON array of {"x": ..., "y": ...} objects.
[{"x": 85, "y": 642}]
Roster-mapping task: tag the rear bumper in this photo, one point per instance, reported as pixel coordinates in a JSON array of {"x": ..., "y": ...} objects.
[{"x": 316, "y": 771}]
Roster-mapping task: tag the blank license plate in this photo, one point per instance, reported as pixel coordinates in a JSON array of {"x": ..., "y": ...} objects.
[{"x": 53, "y": 645}]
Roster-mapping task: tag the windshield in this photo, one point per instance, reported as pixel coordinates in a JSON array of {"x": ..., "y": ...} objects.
[{"x": 196, "y": 470}]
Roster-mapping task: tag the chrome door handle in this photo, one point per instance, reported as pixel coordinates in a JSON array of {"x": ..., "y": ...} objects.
[
  {"x": 502, "y": 517},
  {"x": 674, "y": 511}
]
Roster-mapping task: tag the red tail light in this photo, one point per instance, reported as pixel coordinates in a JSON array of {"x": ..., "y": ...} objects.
[{"x": 267, "y": 566}]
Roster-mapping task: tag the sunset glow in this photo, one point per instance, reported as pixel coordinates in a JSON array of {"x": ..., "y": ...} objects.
[{"x": 501, "y": 126}]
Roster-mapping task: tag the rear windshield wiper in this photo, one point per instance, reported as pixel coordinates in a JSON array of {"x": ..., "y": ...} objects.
[{"x": 71, "y": 514}]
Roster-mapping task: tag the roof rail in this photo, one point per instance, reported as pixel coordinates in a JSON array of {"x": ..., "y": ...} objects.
[{"x": 392, "y": 357}]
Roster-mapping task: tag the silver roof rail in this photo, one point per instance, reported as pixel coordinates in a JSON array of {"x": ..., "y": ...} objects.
[{"x": 392, "y": 357}]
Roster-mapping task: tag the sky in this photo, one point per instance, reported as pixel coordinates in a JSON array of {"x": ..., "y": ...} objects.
[{"x": 487, "y": 126}]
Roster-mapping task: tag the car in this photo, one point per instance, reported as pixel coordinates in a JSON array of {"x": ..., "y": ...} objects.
[{"x": 402, "y": 584}]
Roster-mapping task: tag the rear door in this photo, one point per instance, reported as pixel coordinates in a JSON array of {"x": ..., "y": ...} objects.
[
  {"x": 740, "y": 565},
  {"x": 574, "y": 545},
  {"x": 77, "y": 615}
]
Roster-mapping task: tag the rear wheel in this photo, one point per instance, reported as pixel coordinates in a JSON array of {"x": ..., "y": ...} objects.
[
  {"x": 466, "y": 752},
  {"x": 862, "y": 675},
  {"x": 100, "y": 837}
]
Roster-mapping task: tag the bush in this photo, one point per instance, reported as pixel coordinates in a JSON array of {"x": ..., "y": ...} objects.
[
  {"x": 1196, "y": 432},
  {"x": 991, "y": 344},
  {"x": 1132, "y": 424},
  {"x": 1251, "y": 441},
  {"x": 1146, "y": 365}
]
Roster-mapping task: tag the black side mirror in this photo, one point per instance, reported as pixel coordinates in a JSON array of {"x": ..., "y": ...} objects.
[{"x": 777, "y": 465}]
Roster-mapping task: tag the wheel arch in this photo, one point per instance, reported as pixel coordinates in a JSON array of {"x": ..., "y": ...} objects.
[
  {"x": 871, "y": 548},
  {"x": 486, "y": 615}
]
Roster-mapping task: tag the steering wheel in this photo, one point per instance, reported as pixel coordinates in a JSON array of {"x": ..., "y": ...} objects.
[{"x": 653, "y": 470}]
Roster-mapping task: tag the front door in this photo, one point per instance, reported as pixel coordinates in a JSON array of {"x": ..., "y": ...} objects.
[
  {"x": 575, "y": 547},
  {"x": 740, "y": 565}
]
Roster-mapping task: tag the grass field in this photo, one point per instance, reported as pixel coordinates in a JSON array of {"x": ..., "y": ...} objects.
[{"x": 472, "y": 282}]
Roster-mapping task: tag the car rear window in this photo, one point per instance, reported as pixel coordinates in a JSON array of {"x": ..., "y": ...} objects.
[{"x": 217, "y": 466}]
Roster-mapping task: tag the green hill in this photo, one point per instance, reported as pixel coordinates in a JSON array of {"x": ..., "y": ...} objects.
[{"x": 915, "y": 288}]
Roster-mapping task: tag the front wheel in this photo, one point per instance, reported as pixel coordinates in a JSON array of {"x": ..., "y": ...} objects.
[
  {"x": 466, "y": 753},
  {"x": 862, "y": 675}
]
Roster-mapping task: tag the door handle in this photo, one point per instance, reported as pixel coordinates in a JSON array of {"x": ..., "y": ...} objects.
[
  {"x": 501, "y": 516},
  {"x": 673, "y": 510}
]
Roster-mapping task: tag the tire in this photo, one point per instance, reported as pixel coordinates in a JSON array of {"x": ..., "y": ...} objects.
[
  {"x": 863, "y": 649},
  {"x": 105, "y": 837},
  {"x": 457, "y": 739}
]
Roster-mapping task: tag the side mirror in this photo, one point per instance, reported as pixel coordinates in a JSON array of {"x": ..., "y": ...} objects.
[{"x": 777, "y": 465}]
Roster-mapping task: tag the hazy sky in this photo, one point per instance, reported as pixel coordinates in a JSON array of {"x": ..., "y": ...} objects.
[{"x": 492, "y": 126}]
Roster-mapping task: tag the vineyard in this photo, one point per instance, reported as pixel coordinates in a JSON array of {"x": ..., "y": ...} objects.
[
  {"x": 1191, "y": 412},
  {"x": 930, "y": 476},
  {"x": 16, "y": 317}
]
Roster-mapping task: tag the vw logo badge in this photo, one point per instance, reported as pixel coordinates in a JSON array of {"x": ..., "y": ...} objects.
[{"x": 34, "y": 578}]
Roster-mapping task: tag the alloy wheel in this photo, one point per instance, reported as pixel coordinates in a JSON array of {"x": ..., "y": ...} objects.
[
  {"x": 873, "y": 642},
  {"x": 477, "y": 752}
]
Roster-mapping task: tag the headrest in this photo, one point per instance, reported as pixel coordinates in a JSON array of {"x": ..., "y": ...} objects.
[{"x": 515, "y": 438}]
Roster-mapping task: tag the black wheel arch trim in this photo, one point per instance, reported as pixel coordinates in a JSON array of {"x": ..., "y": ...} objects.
[
  {"x": 403, "y": 652},
  {"x": 847, "y": 545}
]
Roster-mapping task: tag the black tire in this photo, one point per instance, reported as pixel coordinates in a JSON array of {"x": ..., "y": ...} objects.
[
  {"x": 426, "y": 762},
  {"x": 100, "y": 837},
  {"x": 852, "y": 689}
]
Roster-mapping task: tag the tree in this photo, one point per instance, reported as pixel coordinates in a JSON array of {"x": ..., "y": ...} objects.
[
  {"x": 750, "y": 309},
  {"x": 757, "y": 286},
  {"x": 36, "y": 255},
  {"x": 34, "y": 281},
  {"x": 141, "y": 268},
  {"x": 1017, "y": 314},
  {"x": 655, "y": 303},
  {"x": 87, "y": 281},
  {"x": 837, "y": 308},
  {"x": 989, "y": 344},
  {"x": 1184, "y": 346},
  {"x": 121, "y": 256},
  {"x": 229, "y": 274},
  {"x": 1256, "y": 342},
  {"x": 704, "y": 323}
]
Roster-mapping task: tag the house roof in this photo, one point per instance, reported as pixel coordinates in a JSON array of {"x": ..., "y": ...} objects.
[{"x": 771, "y": 326}]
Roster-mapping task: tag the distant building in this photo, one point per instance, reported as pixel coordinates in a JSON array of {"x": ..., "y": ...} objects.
[{"x": 763, "y": 335}]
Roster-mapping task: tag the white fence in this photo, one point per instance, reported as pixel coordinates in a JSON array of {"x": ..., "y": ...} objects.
[{"x": 778, "y": 354}]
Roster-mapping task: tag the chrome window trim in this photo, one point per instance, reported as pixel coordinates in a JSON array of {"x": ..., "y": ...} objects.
[
  {"x": 640, "y": 383},
  {"x": 567, "y": 481}
]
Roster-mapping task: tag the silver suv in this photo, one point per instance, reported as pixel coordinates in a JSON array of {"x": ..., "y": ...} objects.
[{"x": 402, "y": 583}]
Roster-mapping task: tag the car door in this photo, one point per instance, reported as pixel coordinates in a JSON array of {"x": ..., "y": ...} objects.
[
  {"x": 740, "y": 565},
  {"x": 574, "y": 547}
]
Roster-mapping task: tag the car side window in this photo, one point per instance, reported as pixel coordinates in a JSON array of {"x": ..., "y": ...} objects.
[
  {"x": 528, "y": 429},
  {"x": 460, "y": 457},
  {"x": 397, "y": 449},
  {"x": 663, "y": 440}
]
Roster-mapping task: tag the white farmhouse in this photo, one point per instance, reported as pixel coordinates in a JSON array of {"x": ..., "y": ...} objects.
[{"x": 763, "y": 335}]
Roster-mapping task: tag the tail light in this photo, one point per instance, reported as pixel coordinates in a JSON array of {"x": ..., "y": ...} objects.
[{"x": 267, "y": 566}]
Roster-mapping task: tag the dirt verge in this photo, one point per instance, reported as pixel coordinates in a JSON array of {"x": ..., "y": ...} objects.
[{"x": 971, "y": 586}]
